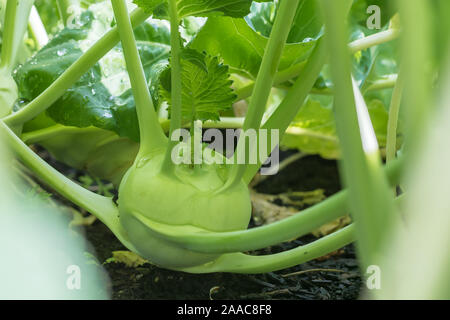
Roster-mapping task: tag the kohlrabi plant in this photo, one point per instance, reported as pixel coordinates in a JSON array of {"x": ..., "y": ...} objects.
[{"x": 108, "y": 91}]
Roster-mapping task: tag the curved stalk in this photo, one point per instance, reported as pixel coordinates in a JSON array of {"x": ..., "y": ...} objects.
[
  {"x": 72, "y": 74},
  {"x": 49, "y": 132},
  {"x": 102, "y": 207},
  {"x": 152, "y": 136},
  {"x": 289, "y": 107},
  {"x": 257, "y": 238},
  {"x": 16, "y": 20},
  {"x": 175, "y": 63},
  {"x": 263, "y": 85},
  {"x": 243, "y": 263},
  {"x": 37, "y": 29},
  {"x": 374, "y": 40},
  {"x": 394, "y": 108}
]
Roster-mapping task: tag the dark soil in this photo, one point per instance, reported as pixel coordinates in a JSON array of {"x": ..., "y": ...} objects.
[{"x": 338, "y": 277}]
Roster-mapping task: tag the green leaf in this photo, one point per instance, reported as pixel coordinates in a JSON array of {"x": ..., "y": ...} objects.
[
  {"x": 313, "y": 130},
  {"x": 206, "y": 86},
  {"x": 102, "y": 97},
  {"x": 198, "y": 8},
  {"x": 242, "y": 48}
]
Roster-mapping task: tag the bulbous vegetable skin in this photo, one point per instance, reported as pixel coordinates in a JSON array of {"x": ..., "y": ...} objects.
[{"x": 188, "y": 198}]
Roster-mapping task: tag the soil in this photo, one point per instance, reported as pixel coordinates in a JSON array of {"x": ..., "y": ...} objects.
[{"x": 335, "y": 276}]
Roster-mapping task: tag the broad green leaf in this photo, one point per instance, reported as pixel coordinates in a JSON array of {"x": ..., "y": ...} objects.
[
  {"x": 242, "y": 48},
  {"x": 206, "y": 86},
  {"x": 313, "y": 130},
  {"x": 102, "y": 97},
  {"x": 198, "y": 8},
  {"x": 262, "y": 17}
]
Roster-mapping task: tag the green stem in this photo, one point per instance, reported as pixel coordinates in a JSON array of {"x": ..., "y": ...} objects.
[
  {"x": 288, "y": 109},
  {"x": 50, "y": 132},
  {"x": 72, "y": 74},
  {"x": 152, "y": 136},
  {"x": 16, "y": 20},
  {"x": 371, "y": 202},
  {"x": 373, "y": 40},
  {"x": 102, "y": 207},
  {"x": 297, "y": 69},
  {"x": 263, "y": 84},
  {"x": 37, "y": 29},
  {"x": 394, "y": 108},
  {"x": 416, "y": 70},
  {"x": 257, "y": 238},
  {"x": 37, "y": 136},
  {"x": 175, "y": 64},
  {"x": 243, "y": 263},
  {"x": 387, "y": 82}
]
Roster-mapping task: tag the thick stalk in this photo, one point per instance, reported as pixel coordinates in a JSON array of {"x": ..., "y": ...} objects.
[
  {"x": 416, "y": 54},
  {"x": 175, "y": 64},
  {"x": 49, "y": 132},
  {"x": 287, "y": 110},
  {"x": 243, "y": 263},
  {"x": 102, "y": 207},
  {"x": 394, "y": 109},
  {"x": 263, "y": 84},
  {"x": 16, "y": 20},
  {"x": 15, "y": 24},
  {"x": 151, "y": 134},
  {"x": 72, "y": 74},
  {"x": 37, "y": 29},
  {"x": 371, "y": 202}
]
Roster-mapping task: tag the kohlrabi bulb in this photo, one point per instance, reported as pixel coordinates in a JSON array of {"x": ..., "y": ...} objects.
[{"x": 187, "y": 198}]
